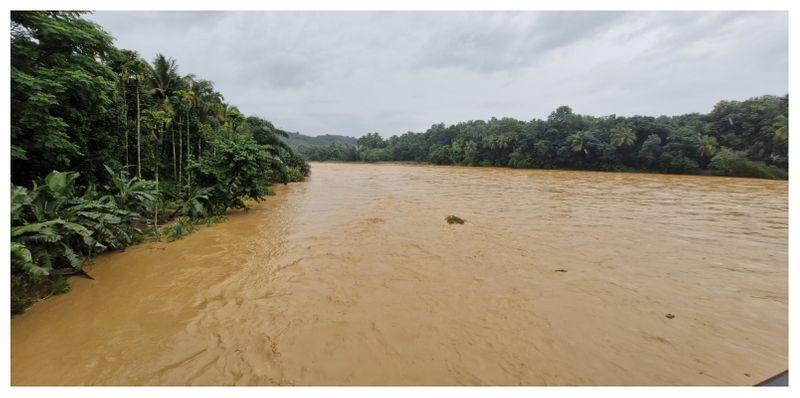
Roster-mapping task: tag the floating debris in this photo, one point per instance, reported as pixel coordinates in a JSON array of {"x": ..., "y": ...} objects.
[
  {"x": 670, "y": 316},
  {"x": 454, "y": 220},
  {"x": 561, "y": 270}
]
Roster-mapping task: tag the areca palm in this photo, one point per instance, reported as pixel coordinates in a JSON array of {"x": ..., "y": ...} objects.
[
  {"x": 186, "y": 100},
  {"x": 140, "y": 73},
  {"x": 209, "y": 110},
  {"x": 125, "y": 76}
]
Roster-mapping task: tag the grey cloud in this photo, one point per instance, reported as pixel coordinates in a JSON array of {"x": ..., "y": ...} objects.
[
  {"x": 277, "y": 73},
  {"x": 510, "y": 40},
  {"x": 357, "y": 72}
]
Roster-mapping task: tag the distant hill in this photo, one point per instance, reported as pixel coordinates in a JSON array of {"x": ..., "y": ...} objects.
[{"x": 296, "y": 140}]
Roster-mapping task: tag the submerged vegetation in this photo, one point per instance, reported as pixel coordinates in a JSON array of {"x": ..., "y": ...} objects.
[
  {"x": 748, "y": 138},
  {"x": 179, "y": 228},
  {"x": 106, "y": 148}
]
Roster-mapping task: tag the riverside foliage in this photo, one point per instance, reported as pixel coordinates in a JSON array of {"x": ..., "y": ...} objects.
[
  {"x": 136, "y": 144},
  {"x": 737, "y": 138}
]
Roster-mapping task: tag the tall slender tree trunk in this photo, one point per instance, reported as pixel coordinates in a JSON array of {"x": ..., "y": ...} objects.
[
  {"x": 180, "y": 158},
  {"x": 127, "y": 151},
  {"x": 174, "y": 156},
  {"x": 188, "y": 152},
  {"x": 155, "y": 217},
  {"x": 155, "y": 213},
  {"x": 138, "y": 135}
]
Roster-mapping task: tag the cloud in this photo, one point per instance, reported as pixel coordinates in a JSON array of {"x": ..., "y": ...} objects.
[
  {"x": 391, "y": 72},
  {"x": 509, "y": 40}
]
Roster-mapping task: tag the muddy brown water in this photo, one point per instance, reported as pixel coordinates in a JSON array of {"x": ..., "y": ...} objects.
[{"x": 354, "y": 278}]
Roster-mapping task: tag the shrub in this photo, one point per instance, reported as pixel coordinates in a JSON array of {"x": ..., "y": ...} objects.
[
  {"x": 295, "y": 174},
  {"x": 735, "y": 163},
  {"x": 439, "y": 154},
  {"x": 376, "y": 155},
  {"x": 678, "y": 163}
]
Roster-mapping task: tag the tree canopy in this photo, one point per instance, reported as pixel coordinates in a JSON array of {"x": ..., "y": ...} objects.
[{"x": 756, "y": 130}]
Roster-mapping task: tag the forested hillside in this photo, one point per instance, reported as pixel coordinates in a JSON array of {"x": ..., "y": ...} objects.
[
  {"x": 296, "y": 140},
  {"x": 748, "y": 138},
  {"x": 106, "y": 147}
]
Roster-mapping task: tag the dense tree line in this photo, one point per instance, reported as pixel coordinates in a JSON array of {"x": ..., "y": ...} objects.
[
  {"x": 748, "y": 138},
  {"x": 107, "y": 147},
  {"x": 297, "y": 140}
]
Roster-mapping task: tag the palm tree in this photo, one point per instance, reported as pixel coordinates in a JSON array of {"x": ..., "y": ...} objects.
[
  {"x": 129, "y": 68},
  {"x": 139, "y": 69},
  {"x": 623, "y": 137},
  {"x": 579, "y": 141},
  {"x": 165, "y": 81},
  {"x": 185, "y": 101},
  {"x": 708, "y": 147},
  {"x": 209, "y": 109},
  {"x": 156, "y": 119},
  {"x": 124, "y": 78}
]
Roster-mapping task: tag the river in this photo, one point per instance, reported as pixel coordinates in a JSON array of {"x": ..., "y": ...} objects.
[{"x": 354, "y": 278}]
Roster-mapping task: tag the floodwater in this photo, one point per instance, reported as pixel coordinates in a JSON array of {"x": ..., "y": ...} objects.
[{"x": 354, "y": 278}]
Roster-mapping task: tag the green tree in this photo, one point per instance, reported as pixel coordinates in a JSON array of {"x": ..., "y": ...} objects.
[
  {"x": 236, "y": 168},
  {"x": 372, "y": 141},
  {"x": 234, "y": 120},
  {"x": 63, "y": 108}
]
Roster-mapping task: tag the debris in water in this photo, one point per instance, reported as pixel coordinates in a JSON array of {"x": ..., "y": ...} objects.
[
  {"x": 561, "y": 270},
  {"x": 670, "y": 316},
  {"x": 454, "y": 220}
]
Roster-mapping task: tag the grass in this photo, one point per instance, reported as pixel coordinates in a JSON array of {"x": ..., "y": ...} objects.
[{"x": 451, "y": 219}]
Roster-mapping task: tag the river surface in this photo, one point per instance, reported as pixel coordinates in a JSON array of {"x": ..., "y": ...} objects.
[{"x": 354, "y": 278}]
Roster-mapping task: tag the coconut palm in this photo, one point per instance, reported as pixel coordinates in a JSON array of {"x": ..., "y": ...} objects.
[
  {"x": 579, "y": 142},
  {"x": 623, "y": 137},
  {"x": 164, "y": 79}
]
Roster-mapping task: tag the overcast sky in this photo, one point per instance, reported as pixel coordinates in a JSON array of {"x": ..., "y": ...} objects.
[{"x": 355, "y": 72}]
